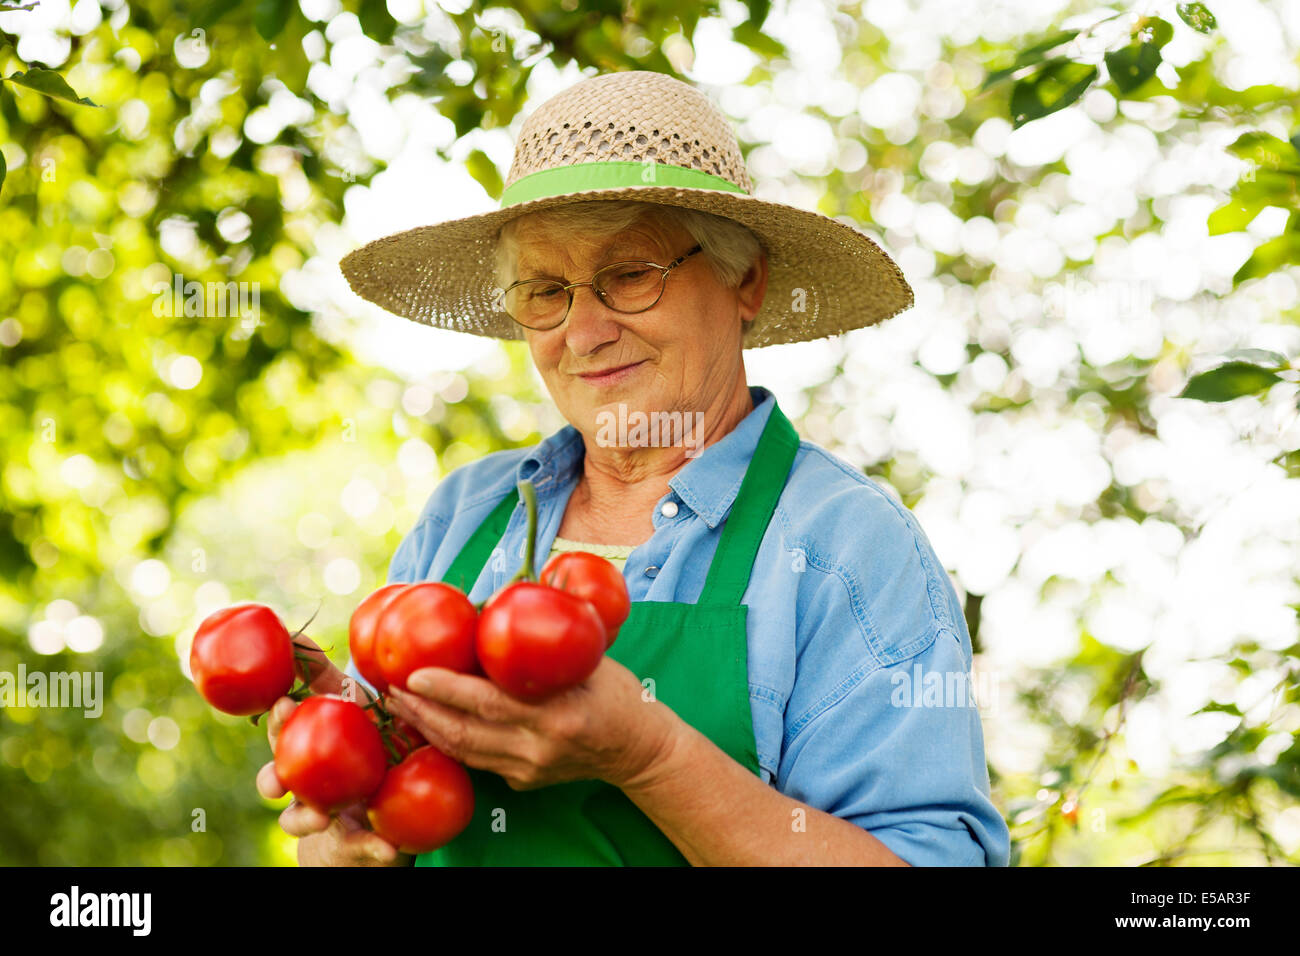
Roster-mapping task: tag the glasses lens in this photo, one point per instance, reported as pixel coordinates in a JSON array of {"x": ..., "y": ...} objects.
[
  {"x": 629, "y": 286},
  {"x": 536, "y": 304}
]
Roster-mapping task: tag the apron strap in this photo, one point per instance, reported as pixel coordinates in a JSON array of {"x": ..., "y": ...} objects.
[
  {"x": 750, "y": 513},
  {"x": 473, "y": 557}
]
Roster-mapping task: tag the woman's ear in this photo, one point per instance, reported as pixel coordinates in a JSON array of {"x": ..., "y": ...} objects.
[{"x": 752, "y": 289}]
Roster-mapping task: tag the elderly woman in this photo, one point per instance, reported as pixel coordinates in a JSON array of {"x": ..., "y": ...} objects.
[{"x": 750, "y": 710}]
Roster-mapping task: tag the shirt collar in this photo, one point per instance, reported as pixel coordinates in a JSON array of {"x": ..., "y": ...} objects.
[{"x": 708, "y": 484}]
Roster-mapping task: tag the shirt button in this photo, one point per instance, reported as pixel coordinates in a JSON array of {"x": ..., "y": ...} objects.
[
  {"x": 669, "y": 509},
  {"x": 651, "y": 571}
]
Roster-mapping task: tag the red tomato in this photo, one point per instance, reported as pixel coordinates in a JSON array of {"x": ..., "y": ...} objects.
[
  {"x": 361, "y": 633},
  {"x": 330, "y": 754},
  {"x": 429, "y": 624},
  {"x": 534, "y": 641},
  {"x": 423, "y": 803},
  {"x": 591, "y": 577},
  {"x": 242, "y": 659}
]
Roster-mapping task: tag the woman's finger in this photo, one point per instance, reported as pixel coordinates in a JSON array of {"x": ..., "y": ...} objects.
[
  {"x": 268, "y": 783},
  {"x": 300, "y": 820}
]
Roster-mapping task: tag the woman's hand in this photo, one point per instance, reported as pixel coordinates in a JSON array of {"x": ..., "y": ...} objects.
[
  {"x": 607, "y": 728},
  {"x": 342, "y": 840}
]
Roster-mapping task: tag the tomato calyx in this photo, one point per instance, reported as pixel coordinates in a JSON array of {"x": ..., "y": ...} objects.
[{"x": 398, "y": 736}]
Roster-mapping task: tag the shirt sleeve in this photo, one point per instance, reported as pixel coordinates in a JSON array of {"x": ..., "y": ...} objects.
[{"x": 901, "y": 754}]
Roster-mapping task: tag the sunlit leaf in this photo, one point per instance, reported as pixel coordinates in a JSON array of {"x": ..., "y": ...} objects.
[
  {"x": 49, "y": 83},
  {"x": 1263, "y": 356},
  {"x": 376, "y": 22},
  {"x": 485, "y": 172},
  {"x": 1215, "y": 707},
  {"x": 1197, "y": 16},
  {"x": 1054, "y": 87},
  {"x": 270, "y": 16},
  {"x": 1280, "y": 251},
  {"x": 1229, "y": 381},
  {"x": 1133, "y": 65},
  {"x": 758, "y": 41},
  {"x": 1028, "y": 57},
  {"x": 1266, "y": 151},
  {"x": 214, "y": 11},
  {"x": 758, "y": 11},
  {"x": 1232, "y": 216}
]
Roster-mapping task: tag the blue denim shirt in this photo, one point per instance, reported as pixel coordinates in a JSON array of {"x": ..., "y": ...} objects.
[{"x": 851, "y": 616}]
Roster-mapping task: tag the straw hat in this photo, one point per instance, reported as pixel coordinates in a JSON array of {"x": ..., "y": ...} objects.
[{"x": 644, "y": 136}]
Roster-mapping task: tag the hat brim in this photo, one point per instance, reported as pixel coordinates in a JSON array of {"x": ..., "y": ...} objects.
[{"x": 824, "y": 276}]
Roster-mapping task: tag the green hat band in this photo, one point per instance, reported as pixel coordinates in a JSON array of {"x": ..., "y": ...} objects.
[{"x": 614, "y": 174}]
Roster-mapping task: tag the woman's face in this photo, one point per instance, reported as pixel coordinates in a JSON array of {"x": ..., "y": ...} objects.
[{"x": 686, "y": 349}]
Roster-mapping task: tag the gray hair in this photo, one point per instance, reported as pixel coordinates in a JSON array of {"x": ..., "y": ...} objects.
[{"x": 730, "y": 248}]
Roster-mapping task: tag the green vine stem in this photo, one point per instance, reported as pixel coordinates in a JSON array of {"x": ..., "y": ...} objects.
[{"x": 530, "y": 503}]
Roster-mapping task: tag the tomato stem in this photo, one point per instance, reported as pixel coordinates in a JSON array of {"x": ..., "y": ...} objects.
[
  {"x": 309, "y": 620},
  {"x": 529, "y": 495}
]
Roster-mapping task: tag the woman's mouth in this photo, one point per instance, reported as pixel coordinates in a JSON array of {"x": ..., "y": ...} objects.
[{"x": 611, "y": 376}]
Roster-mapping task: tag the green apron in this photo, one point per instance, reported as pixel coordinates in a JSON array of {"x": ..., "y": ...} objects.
[{"x": 696, "y": 655}]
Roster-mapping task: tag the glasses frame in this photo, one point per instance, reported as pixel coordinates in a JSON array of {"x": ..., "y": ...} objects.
[{"x": 499, "y": 301}]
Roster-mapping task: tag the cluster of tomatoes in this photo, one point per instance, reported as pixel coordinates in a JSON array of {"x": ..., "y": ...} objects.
[{"x": 533, "y": 638}]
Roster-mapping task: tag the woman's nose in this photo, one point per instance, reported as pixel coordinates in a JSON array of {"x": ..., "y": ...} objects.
[{"x": 590, "y": 322}]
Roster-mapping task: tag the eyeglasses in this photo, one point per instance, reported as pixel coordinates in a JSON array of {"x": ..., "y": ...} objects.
[{"x": 629, "y": 287}]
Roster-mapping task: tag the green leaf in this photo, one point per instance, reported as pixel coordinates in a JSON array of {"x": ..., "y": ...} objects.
[
  {"x": 213, "y": 12},
  {"x": 467, "y": 115},
  {"x": 1260, "y": 355},
  {"x": 485, "y": 172},
  {"x": 1268, "y": 258},
  {"x": 2, "y": 170},
  {"x": 1133, "y": 65},
  {"x": 758, "y": 11},
  {"x": 1029, "y": 56},
  {"x": 1266, "y": 151},
  {"x": 1229, "y": 381},
  {"x": 758, "y": 41},
  {"x": 1058, "y": 84},
  {"x": 49, "y": 83},
  {"x": 270, "y": 16},
  {"x": 1232, "y": 216},
  {"x": 1214, "y": 707},
  {"x": 1196, "y": 16},
  {"x": 376, "y": 22},
  {"x": 1155, "y": 30}
]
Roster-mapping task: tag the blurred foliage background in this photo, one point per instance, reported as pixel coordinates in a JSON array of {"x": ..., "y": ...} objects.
[{"x": 159, "y": 463}]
